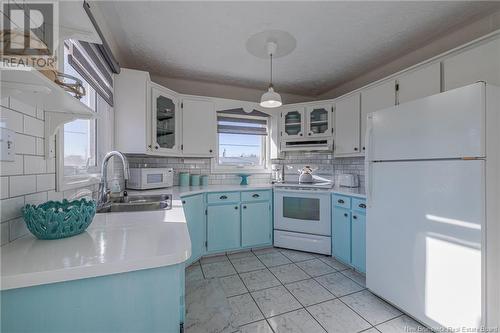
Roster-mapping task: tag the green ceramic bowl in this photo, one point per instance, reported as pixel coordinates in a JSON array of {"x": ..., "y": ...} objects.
[{"x": 56, "y": 219}]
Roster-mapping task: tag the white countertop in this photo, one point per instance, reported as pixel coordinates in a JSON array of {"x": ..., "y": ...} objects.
[
  {"x": 114, "y": 243},
  {"x": 178, "y": 192},
  {"x": 351, "y": 191}
]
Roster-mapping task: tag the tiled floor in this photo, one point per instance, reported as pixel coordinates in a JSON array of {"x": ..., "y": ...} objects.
[{"x": 278, "y": 290}]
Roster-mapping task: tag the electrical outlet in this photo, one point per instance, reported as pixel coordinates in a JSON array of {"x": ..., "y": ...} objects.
[{"x": 7, "y": 147}]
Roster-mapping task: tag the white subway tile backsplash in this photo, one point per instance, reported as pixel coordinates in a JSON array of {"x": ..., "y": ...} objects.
[
  {"x": 13, "y": 120},
  {"x": 4, "y": 187},
  {"x": 54, "y": 196},
  {"x": 25, "y": 144},
  {"x": 11, "y": 208},
  {"x": 45, "y": 182},
  {"x": 19, "y": 106},
  {"x": 35, "y": 199},
  {"x": 40, "y": 146},
  {"x": 17, "y": 229},
  {"x": 21, "y": 185},
  {"x": 4, "y": 233},
  {"x": 33, "y": 126},
  {"x": 325, "y": 162},
  {"x": 34, "y": 164},
  {"x": 29, "y": 178},
  {"x": 12, "y": 168}
]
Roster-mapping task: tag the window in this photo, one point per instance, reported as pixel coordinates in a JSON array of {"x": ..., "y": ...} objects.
[
  {"x": 80, "y": 142},
  {"x": 242, "y": 143}
]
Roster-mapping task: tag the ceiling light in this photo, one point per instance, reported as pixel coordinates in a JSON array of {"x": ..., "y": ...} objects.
[{"x": 271, "y": 99}]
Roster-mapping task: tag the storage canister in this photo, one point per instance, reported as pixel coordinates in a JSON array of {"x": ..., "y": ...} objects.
[
  {"x": 184, "y": 179},
  {"x": 195, "y": 180},
  {"x": 204, "y": 180}
]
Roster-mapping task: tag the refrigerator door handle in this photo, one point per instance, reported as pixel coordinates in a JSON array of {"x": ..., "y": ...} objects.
[{"x": 368, "y": 168}]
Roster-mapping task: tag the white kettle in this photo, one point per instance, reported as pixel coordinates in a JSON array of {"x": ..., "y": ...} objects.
[{"x": 306, "y": 175}]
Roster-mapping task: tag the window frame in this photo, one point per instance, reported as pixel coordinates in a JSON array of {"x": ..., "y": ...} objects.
[
  {"x": 227, "y": 168},
  {"x": 93, "y": 176}
]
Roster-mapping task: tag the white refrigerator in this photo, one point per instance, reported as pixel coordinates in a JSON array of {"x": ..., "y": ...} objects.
[{"x": 433, "y": 197}]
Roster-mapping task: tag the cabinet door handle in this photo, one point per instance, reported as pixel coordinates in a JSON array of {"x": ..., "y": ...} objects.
[
  {"x": 300, "y": 134},
  {"x": 235, "y": 207},
  {"x": 183, "y": 202},
  {"x": 362, "y": 206},
  {"x": 363, "y": 148},
  {"x": 223, "y": 197},
  {"x": 355, "y": 217},
  {"x": 340, "y": 201},
  {"x": 156, "y": 147},
  {"x": 255, "y": 195},
  {"x": 356, "y": 148},
  {"x": 244, "y": 207},
  {"x": 345, "y": 214},
  {"x": 309, "y": 133}
]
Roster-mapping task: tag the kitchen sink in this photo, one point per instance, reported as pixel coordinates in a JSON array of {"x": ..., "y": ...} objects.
[{"x": 137, "y": 203}]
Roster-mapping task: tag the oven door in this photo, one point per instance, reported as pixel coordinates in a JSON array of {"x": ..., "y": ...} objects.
[{"x": 302, "y": 211}]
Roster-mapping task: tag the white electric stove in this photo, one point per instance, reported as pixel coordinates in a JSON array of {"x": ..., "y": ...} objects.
[{"x": 302, "y": 214}]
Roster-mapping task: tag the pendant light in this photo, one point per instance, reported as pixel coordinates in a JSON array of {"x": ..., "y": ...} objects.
[{"x": 271, "y": 99}]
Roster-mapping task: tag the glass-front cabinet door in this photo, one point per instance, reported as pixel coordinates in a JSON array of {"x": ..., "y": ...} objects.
[
  {"x": 293, "y": 123},
  {"x": 165, "y": 121},
  {"x": 319, "y": 120}
]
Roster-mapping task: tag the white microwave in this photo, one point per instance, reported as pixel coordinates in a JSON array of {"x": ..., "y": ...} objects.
[{"x": 149, "y": 178}]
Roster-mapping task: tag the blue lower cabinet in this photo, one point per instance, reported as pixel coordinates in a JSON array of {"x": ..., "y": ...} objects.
[
  {"x": 256, "y": 224},
  {"x": 223, "y": 227},
  {"x": 358, "y": 237},
  {"x": 341, "y": 234},
  {"x": 147, "y": 300},
  {"x": 349, "y": 230},
  {"x": 194, "y": 210}
]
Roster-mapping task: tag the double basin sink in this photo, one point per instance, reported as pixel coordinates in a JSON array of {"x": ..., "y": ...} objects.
[{"x": 137, "y": 203}]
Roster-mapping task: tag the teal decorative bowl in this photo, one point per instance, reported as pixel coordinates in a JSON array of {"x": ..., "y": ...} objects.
[{"x": 56, "y": 219}]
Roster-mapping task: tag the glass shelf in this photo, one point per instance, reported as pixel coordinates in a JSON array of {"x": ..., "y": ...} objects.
[
  {"x": 162, "y": 131},
  {"x": 165, "y": 121}
]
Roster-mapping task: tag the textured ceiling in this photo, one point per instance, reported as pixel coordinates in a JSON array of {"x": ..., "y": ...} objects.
[{"x": 336, "y": 41}]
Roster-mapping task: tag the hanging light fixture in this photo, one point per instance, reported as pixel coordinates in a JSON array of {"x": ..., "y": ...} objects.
[{"x": 271, "y": 99}]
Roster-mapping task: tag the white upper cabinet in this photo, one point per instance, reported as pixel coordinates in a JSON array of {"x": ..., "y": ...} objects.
[
  {"x": 293, "y": 123},
  {"x": 347, "y": 125},
  {"x": 198, "y": 127},
  {"x": 422, "y": 82},
  {"x": 132, "y": 115},
  {"x": 166, "y": 120},
  {"x": 376, "y": 98},
  {"x": 481, "y": 63},
  {"x": 319, "y": 120}
]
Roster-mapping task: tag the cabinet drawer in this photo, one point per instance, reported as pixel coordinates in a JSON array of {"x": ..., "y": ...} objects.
[
  {"x": 255, "y": 195},
  {"x": 341, "y": 201},
  {"x": 359, "y": 205},
  {"x": 222, "y": 197}
]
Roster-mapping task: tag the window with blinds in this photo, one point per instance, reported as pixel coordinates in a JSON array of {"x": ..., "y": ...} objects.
[
  {"x": 88, "y": 61},
  {"x": 242, "y": 140}
]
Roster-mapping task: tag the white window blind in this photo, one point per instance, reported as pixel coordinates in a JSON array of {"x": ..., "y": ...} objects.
[{"x": 233, "y": 125}]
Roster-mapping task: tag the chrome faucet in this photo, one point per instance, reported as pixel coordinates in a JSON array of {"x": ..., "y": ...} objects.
[{"x": 103, "y": 193}]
